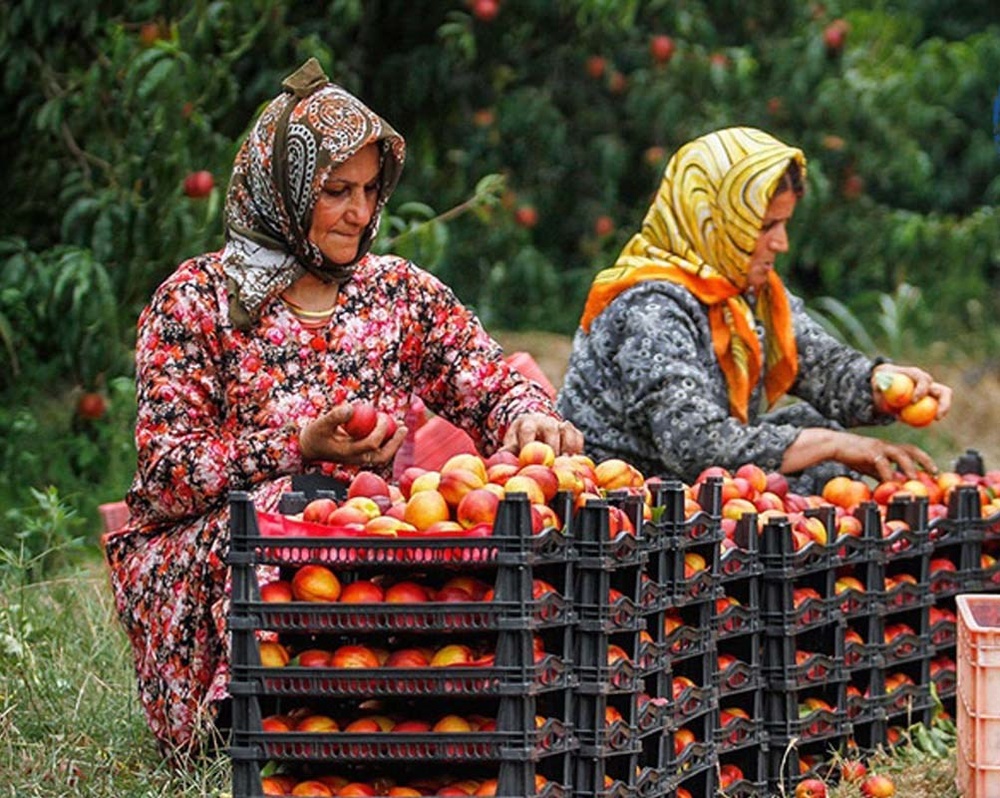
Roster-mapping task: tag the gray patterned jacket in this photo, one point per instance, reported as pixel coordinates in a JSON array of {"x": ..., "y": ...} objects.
[{"x": 644, "y": 385}]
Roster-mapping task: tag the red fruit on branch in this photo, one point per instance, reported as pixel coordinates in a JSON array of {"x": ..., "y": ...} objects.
[
  {"x": 91, "y": 406},
  {"x": 199, "y": 184},
  {"x": 661, "y": 48},
  {"x": 486, "y": 10},
  {"x": 526, "y": 216}
]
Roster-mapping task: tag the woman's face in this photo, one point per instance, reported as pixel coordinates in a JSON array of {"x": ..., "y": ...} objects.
[
  {"x": 345, "y": 206},
  {"x": 773, "y": 238}
]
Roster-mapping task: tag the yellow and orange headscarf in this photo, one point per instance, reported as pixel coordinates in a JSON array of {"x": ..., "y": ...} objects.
[{"x": 700, "y": 232}]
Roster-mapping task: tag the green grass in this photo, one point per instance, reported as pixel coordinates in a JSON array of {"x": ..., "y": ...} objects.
[{"x": 70, "y": 723}]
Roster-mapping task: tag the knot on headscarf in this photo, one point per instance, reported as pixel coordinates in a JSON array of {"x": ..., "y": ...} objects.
[
  {"x": 304, "y": 133},
  {"x": 700, "y": 232}
]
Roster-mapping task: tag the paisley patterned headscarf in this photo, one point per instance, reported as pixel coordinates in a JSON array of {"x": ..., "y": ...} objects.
[
  {"x": 312, "y": 127},
  {"x": 700, "y": 232}
]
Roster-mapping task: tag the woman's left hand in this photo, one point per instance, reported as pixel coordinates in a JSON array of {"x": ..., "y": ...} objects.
[
  {"x": 924, "y": 385},
  {"x": 560, "y": 435}
]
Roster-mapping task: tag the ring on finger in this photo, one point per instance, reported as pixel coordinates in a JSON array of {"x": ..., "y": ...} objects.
[{"x": 879, "y": 457}]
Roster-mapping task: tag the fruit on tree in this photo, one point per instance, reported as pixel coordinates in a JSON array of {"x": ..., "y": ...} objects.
[
  {"x": 199, "y": 184},
  {"x": 486, "y": 10},
  {"x": 661, "y": 48},
  {"x": 91, "y": 406},
  {"x": 526, "y": 216},
  {"x": 834, "y": 35}
]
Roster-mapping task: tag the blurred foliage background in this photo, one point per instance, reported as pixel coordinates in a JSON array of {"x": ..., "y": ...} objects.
[{"x": 537, "y": 132}]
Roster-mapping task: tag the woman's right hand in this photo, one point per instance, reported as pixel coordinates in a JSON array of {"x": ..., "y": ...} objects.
[
  {"x": 872, "y": 456},
  {"x": 324, "y": 438}
]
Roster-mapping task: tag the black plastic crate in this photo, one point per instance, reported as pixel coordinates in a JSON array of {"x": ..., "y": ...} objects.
[
  {"x": 799, "y": 662},
  {"x": 910, "y": 699},
  {"x": 738, "y": 665},
  {"x": 606, "y": 724},
  {"x": 593, "y": 543},
  {"x": 273, "y": 539},
  {"x": 692, "y": 685},
  {"x": 514, "y": 779},
  {"x": 944, "y": 675},
  {"x": 737, "y": 611},
  {"x": 966, "y": 574},
  {"x": 702, "y": 781},
  {"x": 787, "y": 713},
  {"x": 964, "y": 522},
  {"x": 942, "y": 623},
  {"x": 742, "y": 772},
  {"x": 523, "y": 741},
  {"x": 906, "y": 637},
  {"x": 740, "y": 721},
  {"x": 864, "y": 642},
  {"x": 671, "y": 527},
  {"x": 791, "y": 760},
  {"x": 512, "y": 605},
  {"x": 740, "y": 556},
  {"x": 596, "y": 667},
  {"x": 618, "y": 776},
  {"x": 608, "y": 600},
  {"x": 687, "y": 629},
  {"x": 860, "y": 586},
  {"x": 863, "y": 695},
  {"x": 691, "y": 747},
  {"x": 799, "y": 604},
  {"x": 519, "y": 664},
  {"x": 783, "y": 561}
]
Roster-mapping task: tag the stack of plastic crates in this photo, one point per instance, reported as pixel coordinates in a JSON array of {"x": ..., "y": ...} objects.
[
  {"x": 805, "y": 709},
  {"x": 740, "y": 736},
  {"x": 495, "y": 706},
  {"x": 680, "y": 589},
  {"x": 611, "y": 717}
]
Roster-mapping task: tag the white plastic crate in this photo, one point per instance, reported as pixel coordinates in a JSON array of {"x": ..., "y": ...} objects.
[{"x": 978, "y": 700}]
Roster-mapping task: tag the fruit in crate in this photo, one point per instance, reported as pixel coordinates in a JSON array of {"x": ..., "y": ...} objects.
[
  {"x": 315, "y": 583},
  {"x": 451, "y": 723},
  {"x": 451, "y": 655},
  {"x": 694, "y": 564},
  {"x": 813, "y": 527},
  {"x": 845, "y": 492},
  {"x": 318, "y": 510},
  {"x": 354, "y": 656},
  {"x": 536, "y": 453},
  {"x": 683, "y": 737},
  {"x": 680, "y": 684},
  {"x": 273, "y": 655},
  {"x": 368, "y": 485},
  {"x": 736, "y": 507},
  {"x": 478, "y": 506},
  {"x": 278, "y": 591},
  {"x": 729, "y": 774},
  {"x": 316, "y": 723},
  {"x": 363, "y": 591}
]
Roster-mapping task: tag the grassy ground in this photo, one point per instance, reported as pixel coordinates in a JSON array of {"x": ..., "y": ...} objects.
[{"x": 70, "y": 723}]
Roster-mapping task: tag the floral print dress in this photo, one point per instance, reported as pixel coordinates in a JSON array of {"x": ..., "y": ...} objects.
[{"x": 220, "y": 409}]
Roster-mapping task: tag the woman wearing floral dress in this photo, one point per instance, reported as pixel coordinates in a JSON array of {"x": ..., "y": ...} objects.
[
  {"x": 248, "y": 360},
  {"x": 692, "y": 329}
]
